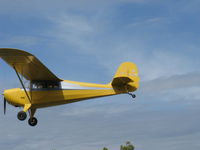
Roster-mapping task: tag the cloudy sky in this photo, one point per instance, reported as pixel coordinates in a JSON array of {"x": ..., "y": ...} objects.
[{"x": 86, "y": 40}]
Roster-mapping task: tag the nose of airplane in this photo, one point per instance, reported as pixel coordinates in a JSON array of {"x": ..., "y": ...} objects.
[{"x": 6, "y": 96}]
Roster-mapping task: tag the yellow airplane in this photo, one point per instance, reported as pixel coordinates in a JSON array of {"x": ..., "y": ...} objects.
[{"x": 45, "y": 89}]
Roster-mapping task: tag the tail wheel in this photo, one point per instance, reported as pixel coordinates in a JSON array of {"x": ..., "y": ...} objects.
[
  {"x": 32, "y": 121},
  {"x": 22, "y": 116},
  {"x": 131, "y": 94}
]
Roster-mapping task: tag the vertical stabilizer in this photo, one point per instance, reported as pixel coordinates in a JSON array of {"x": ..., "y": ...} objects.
[{"x": 126, "y": 78}]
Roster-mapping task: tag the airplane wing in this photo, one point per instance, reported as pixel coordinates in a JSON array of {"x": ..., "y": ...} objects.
[{"x": 27, "y": 65}]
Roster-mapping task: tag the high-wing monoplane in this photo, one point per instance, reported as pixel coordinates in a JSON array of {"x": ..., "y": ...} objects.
[{"x": 45, "y": 89}]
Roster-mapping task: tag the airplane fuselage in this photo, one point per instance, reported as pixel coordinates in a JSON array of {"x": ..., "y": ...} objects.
[{"x": 66, "y": 92}]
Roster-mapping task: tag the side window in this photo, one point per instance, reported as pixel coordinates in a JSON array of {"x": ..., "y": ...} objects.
[{"x": 45, "y": 85}]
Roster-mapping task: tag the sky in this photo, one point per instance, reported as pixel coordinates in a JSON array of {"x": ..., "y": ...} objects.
[{"x": 86, "y": 40}]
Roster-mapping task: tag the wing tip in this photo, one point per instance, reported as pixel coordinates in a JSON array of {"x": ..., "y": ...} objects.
[{"x": 6, "y": 51}]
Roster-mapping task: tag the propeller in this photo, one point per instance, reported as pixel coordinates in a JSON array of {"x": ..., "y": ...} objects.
[{"x": 4, "y": 110}]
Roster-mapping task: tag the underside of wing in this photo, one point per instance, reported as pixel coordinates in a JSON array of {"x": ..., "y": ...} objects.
[{"x": 27, "y": 65}]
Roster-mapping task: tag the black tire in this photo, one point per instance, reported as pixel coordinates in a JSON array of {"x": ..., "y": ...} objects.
[
  {"x": 22, "y": 116},
  {"x": 32, "y": 121}
]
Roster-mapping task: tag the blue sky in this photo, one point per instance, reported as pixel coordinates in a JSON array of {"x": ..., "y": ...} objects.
[{"x": 86, "y": 41}]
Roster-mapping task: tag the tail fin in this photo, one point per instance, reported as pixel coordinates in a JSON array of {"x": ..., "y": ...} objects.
[{"x": 126, "y": 78}]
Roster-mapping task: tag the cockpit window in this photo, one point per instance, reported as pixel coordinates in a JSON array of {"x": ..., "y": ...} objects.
[{"x": 45, "y": 85}]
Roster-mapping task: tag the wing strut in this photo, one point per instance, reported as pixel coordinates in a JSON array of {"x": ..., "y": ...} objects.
[{"x": 22, "y": 84}]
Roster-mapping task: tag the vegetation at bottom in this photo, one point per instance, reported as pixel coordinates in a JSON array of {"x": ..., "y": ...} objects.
[{"x": 127, "y": 146}]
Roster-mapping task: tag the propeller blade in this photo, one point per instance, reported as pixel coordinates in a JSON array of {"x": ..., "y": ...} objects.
[{"x": 4, "y": 106}]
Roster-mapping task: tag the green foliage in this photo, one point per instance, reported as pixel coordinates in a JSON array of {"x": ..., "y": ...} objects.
[
  {"x": 128, "y": 146},
  {"x": 105, "y": 148}
]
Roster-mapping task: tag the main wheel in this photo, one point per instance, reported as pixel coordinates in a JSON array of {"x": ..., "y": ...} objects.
[
  {"x": 32, "y": 121},
  {"x": 21, "y": 115}
]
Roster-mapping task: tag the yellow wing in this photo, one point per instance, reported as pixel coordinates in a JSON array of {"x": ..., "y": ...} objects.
[{"x": 27, "y": 65}]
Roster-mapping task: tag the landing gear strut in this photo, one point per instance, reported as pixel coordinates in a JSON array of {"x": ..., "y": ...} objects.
[
  {"x": 32, "y": 121},
  {"x": 27, "y": 107},
  {"x": 22, "y": 116}
]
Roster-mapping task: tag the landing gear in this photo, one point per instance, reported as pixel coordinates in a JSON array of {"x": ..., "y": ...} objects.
[
  {"x": 32, "y": 121},
  {"x": 131, "y": 94},
  {"x": 22, "y": 116}
]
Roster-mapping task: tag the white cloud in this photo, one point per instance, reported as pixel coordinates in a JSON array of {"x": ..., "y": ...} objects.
[
  {"x": 92, "y": 37},
  {"x": 188, "y": 7},
  {"x": 91, "y": 110},
  {"x": 173, "y": 82},
  {"x": 183, "y": 89},
  {"x": 70, "y": 23},
  {"x": 71, "y": 28},
  {"x": 26, "y": 41},
  {"x": 149, "y": 22},
  {"x": 50, "y": 6}
]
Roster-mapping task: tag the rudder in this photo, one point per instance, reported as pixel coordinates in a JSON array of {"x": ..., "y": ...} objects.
[{"x": 126, "y": 78}]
